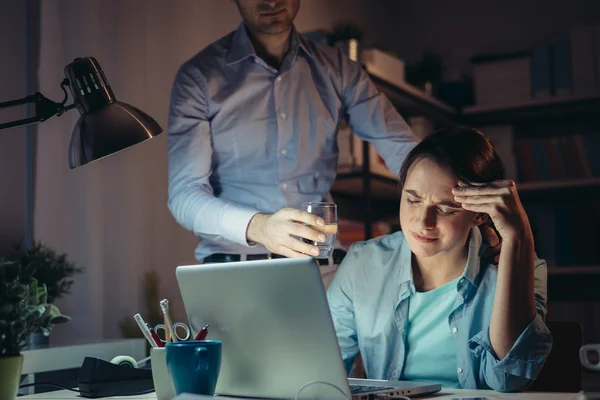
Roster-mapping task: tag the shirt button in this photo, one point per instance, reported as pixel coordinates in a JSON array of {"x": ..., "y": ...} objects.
[
  {"x": 454, "y": 330},
  {"x": 459, "y": 370},
  {"x": 284, "y": 186},
  {"x": 284, "y": 152},
  {"x": 461, "y": 280},
  {"x": 278, "y": 79},
  {"x": 283, "y": 115}
]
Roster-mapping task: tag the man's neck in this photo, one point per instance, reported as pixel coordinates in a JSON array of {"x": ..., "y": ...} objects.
[
  {"x": 432, "y": 272},
  {"x": 271, "y": 48}
]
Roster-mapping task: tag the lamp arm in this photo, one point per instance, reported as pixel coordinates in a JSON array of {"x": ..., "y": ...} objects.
[{"x": 44, "y": 109}]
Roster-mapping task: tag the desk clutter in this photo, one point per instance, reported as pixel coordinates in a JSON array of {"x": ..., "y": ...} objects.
[
  {"x": 180, "y": 364},
  {"x": 171, "y": 331}
]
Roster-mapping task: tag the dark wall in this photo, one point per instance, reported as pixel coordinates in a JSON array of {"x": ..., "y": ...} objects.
[{"x": 13, "y": 18}]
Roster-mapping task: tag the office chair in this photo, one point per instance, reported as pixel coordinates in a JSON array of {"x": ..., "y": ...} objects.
[{"x": 562, "y": 370}]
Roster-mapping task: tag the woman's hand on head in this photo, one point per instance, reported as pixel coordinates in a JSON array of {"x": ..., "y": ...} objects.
[{"x": 500, "y": 200}]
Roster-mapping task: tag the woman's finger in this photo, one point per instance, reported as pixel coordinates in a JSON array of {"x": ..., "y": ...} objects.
[
  {"x": 487, "y": 208},
  {"x": 481, "y": 191},
  {"x": 498, "y": 183},
  {"x": 478, "y": 199}
]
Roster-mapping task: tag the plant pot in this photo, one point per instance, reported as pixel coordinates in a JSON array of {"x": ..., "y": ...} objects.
[{"x": 10, "y": 374}]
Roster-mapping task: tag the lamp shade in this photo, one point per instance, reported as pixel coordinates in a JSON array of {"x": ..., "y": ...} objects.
[{"x": 106, "y": 125}]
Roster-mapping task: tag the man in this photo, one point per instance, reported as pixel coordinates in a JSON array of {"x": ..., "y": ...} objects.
[{"x": 252, "y": 135}]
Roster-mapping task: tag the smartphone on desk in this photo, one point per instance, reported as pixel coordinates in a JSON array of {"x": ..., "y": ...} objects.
[{"x": 469, "y": 398}]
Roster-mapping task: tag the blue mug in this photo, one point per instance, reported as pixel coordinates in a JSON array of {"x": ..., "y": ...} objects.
[{"x": 194, "y": 365}]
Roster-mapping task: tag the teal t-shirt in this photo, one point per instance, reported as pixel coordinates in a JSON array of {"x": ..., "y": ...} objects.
[{"x": 430, "y": 347}]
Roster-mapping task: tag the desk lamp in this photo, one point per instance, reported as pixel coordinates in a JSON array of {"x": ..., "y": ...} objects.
[{"x": 105, "y": 126}]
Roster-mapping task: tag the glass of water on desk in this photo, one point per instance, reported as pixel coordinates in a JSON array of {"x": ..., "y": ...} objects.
[{"x": 327, "y": 211}]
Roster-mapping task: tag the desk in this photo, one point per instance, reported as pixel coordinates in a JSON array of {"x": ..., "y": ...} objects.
[
  {"x": 443, "y": 395},
  {"x": 54, "y": 358}
]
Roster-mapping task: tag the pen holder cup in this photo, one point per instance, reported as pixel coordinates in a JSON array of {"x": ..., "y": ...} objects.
[
  {"x": 160, "y": 374},
  {"x": 194, "y": 365}
]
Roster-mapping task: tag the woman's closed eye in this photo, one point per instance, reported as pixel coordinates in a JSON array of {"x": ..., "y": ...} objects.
[
  {"x": 445, "y": 213},
  {"x": 440, "y": 211}
]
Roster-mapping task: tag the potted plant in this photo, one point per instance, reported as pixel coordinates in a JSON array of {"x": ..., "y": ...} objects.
[
  {"x": 50, "y": 269},
  {"x": 24, "y": 309}
]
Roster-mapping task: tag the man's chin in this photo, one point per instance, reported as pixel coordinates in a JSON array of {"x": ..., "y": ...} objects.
[{"x": 275, "y": 28}]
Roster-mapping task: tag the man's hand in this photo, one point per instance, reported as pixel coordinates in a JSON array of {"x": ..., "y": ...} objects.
[{"x": 275, "y": 231}]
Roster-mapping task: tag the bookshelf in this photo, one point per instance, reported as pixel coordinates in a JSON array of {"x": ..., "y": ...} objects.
[
  {"x": 375, "y": 195},
  {"x": 384, "y": 188},
  {"x": 412, "y": 101},
  {"x": 546, "y": 132},
  {"x": 561, "y": 107},
  {"x": 559, "y": 190},
  {"x": 575, "y": 270}
]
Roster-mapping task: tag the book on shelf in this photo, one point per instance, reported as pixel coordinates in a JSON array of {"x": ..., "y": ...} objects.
[
  {"x": 566, "y": 235},
  {"x": 554, "y": 158},
  {"x": 541, "y": 71},
  {"x": 562, "y": 74},
  {"x": 350, "y": 147},
  {"x": 583, "y": 59}
]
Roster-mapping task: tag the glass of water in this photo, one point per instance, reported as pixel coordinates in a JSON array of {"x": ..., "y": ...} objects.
[{"x": 327, "y": 211}]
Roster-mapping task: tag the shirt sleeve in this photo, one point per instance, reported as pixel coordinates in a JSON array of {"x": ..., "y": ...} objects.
[
  {"x": 191, "y": 198},
  {"x": 521, "y": 366},
  {"x": 373, "y": 118},
  {"x": 341, "y": 305}
]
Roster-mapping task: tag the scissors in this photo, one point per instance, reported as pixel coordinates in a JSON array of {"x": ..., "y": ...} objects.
[{"x": 184, "y": 327}]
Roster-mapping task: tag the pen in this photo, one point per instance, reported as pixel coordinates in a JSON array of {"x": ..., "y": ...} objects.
[
  {"x": 202, "y": 334},
  {"x": 140, "y": 321},
  {"x": 155, "y": 336},
  {"x": 169, "y": 334}
]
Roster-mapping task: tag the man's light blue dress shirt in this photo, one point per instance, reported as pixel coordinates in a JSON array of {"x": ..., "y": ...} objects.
[
  {"x": 369, "y": 298},
  {"x": 244, "y": 137}
]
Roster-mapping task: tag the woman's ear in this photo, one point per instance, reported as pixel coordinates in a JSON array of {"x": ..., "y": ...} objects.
[{"x": 480, "y": 219}]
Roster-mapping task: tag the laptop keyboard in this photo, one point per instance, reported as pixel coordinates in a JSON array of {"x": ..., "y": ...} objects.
[{"x": 355, "y": 389}]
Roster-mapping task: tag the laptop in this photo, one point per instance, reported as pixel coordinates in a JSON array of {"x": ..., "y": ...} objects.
[{"x": 274, "y": 321}]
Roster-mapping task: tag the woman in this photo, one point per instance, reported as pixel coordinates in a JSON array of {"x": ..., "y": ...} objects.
[{"x": 425, "y": 303}]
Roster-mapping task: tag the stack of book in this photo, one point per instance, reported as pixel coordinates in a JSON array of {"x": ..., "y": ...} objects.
[
  {"x": 569, "y": 66},
  {"x": 558, "y": 157}
]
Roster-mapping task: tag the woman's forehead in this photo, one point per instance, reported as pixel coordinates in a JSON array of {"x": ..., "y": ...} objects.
[{"x": 427, "y": 173}]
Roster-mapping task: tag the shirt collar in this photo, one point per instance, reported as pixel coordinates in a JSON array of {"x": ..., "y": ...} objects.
[
  {"x": 241, "y": 47},
  {"x": 405, "y": 277},
  {"x": 476, "y": 249}
]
